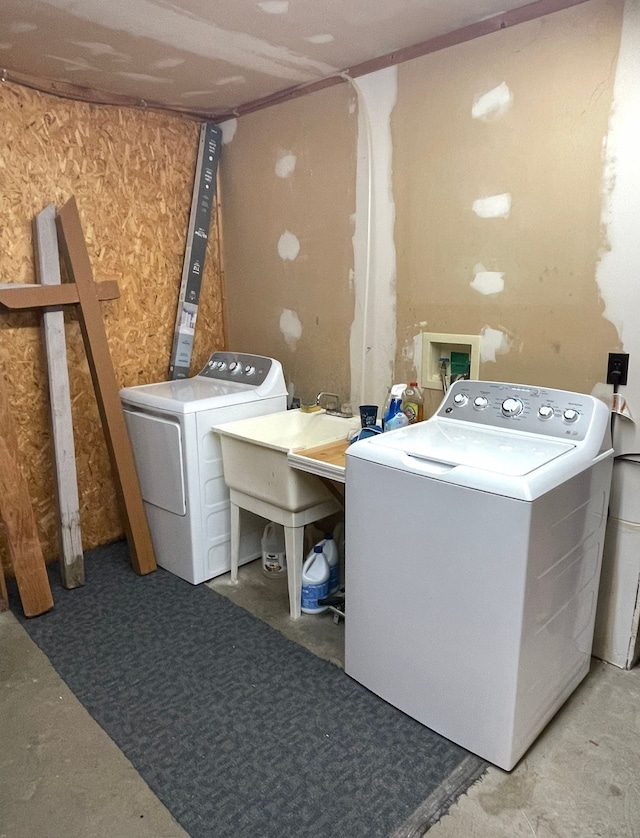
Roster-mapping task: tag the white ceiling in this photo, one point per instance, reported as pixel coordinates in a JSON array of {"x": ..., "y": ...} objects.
[{"x": 214, "y": 55}]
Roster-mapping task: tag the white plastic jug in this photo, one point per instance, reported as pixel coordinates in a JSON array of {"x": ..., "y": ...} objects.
[
  {"x": 330, "y": 550},
  {"x": 315, "y": 581},
  {"x": 274, "y": 557}
]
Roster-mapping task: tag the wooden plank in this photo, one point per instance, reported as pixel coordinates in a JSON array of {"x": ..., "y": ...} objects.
[
  {"x": 331, "y": 452},
  {"x": 19, "y": 522},
  {"x": 74, "y": 252},
  {"x": 17, "y": 295},
  {"x": 66, "y": 479}
]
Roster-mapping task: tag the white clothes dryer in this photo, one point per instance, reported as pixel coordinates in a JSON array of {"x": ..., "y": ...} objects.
[
  {"x": 473, "y": 550},
  {"x": 179, "y": 460}
]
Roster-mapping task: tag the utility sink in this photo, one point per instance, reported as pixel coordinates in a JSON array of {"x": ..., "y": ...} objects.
[
  {"x": 260, "y": 479},
  {"x": 254, "y": 455}
]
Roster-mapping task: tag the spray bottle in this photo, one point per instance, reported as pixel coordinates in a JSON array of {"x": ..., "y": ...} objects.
[{"x": 395, "y": 418}]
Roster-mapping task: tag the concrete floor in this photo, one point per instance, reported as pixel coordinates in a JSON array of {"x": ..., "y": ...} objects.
[{"x": 62, "y": 777}]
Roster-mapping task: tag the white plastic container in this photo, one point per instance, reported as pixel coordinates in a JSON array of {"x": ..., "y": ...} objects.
[
  {"x": 330, "y": 550},
  {"x": 315, "y": 581},
  {"x": 274, "y": 556}
]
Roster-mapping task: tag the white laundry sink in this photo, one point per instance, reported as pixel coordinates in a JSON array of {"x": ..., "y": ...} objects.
[{"x": 254, "y": 455}]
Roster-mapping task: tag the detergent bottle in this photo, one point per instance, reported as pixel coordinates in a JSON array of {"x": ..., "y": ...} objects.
[
  {"x": 315, "y": 581},
  {"x": 274, "y": 556},
  {"x": 395, "y": 418},
  {"x": 413, "y": 403}
]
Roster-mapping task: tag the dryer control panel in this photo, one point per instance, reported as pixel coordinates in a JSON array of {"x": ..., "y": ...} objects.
[
  {"x": 538, "y": 410},
  {"x": 234, "y": 366}
]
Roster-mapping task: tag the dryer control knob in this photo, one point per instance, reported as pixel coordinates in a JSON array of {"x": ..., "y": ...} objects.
[
  {"x": 480, "y": 402},
  {"x": 512, "y": 407},
  {"x": 460, "y": 399},
  {"x": 545, "y": 412},
  {"x": 571, "y": 416}
]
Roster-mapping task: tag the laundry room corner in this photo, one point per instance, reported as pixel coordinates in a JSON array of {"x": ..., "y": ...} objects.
[{"x": 132, "y": 176}]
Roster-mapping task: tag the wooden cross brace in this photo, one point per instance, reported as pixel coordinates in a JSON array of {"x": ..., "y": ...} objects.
[{"x": 86, "y": 294}]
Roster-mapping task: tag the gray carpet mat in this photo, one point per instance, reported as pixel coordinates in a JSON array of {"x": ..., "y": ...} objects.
[{"x": 239, "y": 731}]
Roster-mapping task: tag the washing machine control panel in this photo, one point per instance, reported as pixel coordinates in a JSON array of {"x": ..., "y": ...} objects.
[
  {"x": 234, "y": 366},
  {"x": 540, "y": 410}
]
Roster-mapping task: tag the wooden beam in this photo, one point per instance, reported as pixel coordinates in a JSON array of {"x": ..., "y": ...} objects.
[
  {"x": 66, "y": 480},
  {"x": 17, "y": 295},
  {"x": 19, "y": 521},
  {"x": 74, "y": 253}
]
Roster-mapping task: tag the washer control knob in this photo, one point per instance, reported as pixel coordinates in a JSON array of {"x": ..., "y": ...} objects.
[
  {"x": 512, "y": 407},
  {"x": 545, "y": 412},
  {"x": 221, "y": 365},
  {"x": 235, "y": 367},
  {"x": 460, "y": 399},
  {"x": 570, "y": 416},
  {"x": 249, "y": 370},
  {"x": 480, "y": 402}
]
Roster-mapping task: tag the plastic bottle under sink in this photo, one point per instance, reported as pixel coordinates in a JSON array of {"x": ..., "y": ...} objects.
[{"x": 315, "y": 581}]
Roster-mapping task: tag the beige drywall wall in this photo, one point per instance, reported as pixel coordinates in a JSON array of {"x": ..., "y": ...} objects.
[
  {"x": 288, "y": 198},
  {"x": 131, "y": 173},
  {"x": 526, "y": 282}
]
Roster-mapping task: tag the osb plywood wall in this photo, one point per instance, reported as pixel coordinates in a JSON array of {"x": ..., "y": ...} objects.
[{"x": 131, "y": 173}]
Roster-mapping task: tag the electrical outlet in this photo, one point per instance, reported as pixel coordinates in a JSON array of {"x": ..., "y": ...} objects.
[{"x": 618, "y": 368}]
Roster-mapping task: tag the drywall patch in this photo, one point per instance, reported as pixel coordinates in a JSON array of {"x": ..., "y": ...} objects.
[
  {"x": 290, "y": 327},
  {"x": 493, "y": 342},
  {"x": 275, "y": 7},
  {"x": 190, "y": 94},
  {"x": 493, "y": 104},
  {"x": 320, "y": 39},
  {"x": 493, "y": 206},
  {"x": 19, "y": 28},
  {"x": 144, "y": 77},
  {"x": 487, "y": 282},
  {"x": 167, "y": 63},
  {"x": 288, "y": 246},
  {"x": 230, "y": 80},
  {"x": 70, "y": 64},
  {"x": 97, "y": 48},
  {"x": 286, "y": 164},
  {"x": 412, "y": 352},
  {"x": 373, "y": 332},
  {"x": 229, "y": 129}
]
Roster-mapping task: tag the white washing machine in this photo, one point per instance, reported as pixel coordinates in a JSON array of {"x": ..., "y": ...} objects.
[
  {"x": 473, "y": 550},
  {"x": 179, "y": 460}
]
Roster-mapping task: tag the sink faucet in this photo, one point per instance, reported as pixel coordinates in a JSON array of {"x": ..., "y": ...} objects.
[{"x": 329, "y": 401}]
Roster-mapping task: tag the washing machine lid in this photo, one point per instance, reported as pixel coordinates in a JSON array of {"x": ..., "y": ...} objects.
[
  {"x": 456, "y": 443},
  {"x": 511, "y": 464},
  {"x": 187, "y": 395}
]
